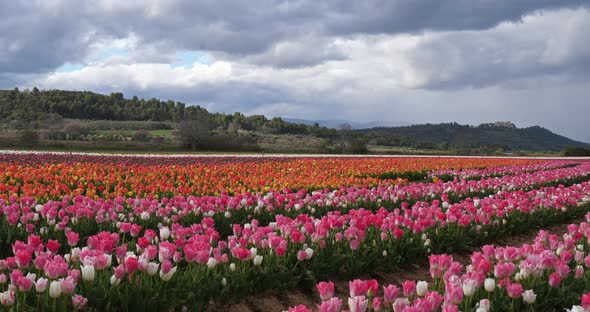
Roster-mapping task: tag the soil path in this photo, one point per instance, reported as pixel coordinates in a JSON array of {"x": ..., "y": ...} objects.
[{"x": 273, "y": 301}]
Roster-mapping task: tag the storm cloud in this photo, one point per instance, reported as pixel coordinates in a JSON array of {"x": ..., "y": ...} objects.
[{"x": 527, "y": 61}]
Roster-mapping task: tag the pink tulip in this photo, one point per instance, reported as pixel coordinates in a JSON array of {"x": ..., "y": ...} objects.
[
  {"x": 454, "y": 294},
  {"x": 579, "y": 272},
  {"x": 409, "y": 288},
  {"x": 326, "y": 290},
  {"x": 73, "y": 238},
  {"x": 300, "y": 308},
  {"x": 23, "y": 258},
  {"x": 358, "y": 304},
  {"x": 358, "y": 288},
  {"x": 377, "y": 304},
  {"x": 514, "y": 290},
  {"x": 390, "y": 293},
  {"x": 79, "y": 302},
  {"x": 53, "y": 246},
  {"x": 330, "y": 305},
  {"x": 301, "y": 255},
  {"x": 586, "y": 301},
  {"x": 67, "y": 285},
  {"x": 502, "y": 270},
  {"x": 554, "y": 279},
  {"x": 401, "y": 304}
]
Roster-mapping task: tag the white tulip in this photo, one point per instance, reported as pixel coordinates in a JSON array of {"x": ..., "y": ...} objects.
[
  {"x": 421, "y": 288},
  {"x": 152, "y": 268},
  {"x": 115, "y": 281},
  {"x": 55, "y": 289},
  {"x": 469, "y": 287},
  {"x": 489, "y": 284},
  {"x": 309, "y": 253},
  {"x": 164, "y": 233},
  {"x": 88, "y": 273},
  {"x": 529, "y": 296},
  {"x": 257, "y": 260},
  {"x": 41, "y": 285},
  {"x": 211, "y": 263},
  {"x": 167, "y": 276}
]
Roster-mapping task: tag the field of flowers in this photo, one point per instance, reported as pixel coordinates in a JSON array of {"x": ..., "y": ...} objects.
[{"x": 161, "y": 233}]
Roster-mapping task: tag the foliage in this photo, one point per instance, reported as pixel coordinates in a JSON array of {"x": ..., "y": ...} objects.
[{"x": 577, "y": 151}]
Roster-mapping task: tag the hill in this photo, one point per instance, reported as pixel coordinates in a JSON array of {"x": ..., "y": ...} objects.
[
  {"x": 505, "y": 136},
  {"x": 64, "y": 119},
  {"x": 337, "y": 123}
]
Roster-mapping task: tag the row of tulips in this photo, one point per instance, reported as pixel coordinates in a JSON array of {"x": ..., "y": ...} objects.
[
  {"x": 498, "y": 171},
  {"x": 25, "y": 214},
  {"x": 53, "y": 180},
  {"x": 155, "y": 266},
  {"x": 548, "y": 275}
]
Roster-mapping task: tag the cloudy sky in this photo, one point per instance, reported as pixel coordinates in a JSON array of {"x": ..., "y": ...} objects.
[{"x": 470, "y": 61}]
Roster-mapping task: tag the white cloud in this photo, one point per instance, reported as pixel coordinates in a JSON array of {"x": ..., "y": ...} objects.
[{"x": 316, "y": 60}]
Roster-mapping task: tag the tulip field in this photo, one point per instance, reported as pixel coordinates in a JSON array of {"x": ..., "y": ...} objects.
[{"x": 194, "y": 233}]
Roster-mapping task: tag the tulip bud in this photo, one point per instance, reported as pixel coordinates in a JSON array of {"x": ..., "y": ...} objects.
[
  {"x": 257, "y": 260},
  {"x": 88, "y": 273},
  {"x": 164, "y": 233},
  {"x": 7, "y": 298},
  {"x": 115, "y": 281},
  {"x": 309, "y": 253},
  {"x": 489, "y": 284},
  {"x": 167, "y": 276},
  {"x": 211, "y": 263},
  {"x": 421, "y": 288},
  {"x": 55, "y": 289},
  {"x": 152, "y": 268},
  {"x": 41, "y": 285},
  {"x": 469, "y": 287},
  {"x": 529, "y": 296}
]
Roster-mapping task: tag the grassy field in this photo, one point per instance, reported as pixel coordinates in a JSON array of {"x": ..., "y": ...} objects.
[
  {"x": 165, "y": 133},
  {"x": 268, "y": 144}
]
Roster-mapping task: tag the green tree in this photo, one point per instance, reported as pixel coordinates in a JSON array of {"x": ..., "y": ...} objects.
[{"x": 29, "y": 137}]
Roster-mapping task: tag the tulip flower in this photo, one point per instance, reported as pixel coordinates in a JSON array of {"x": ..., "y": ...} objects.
[
  {"x": 55, "y": 289},
  {"x": 528, "y": 296},
  {"x": 326, "y": 290},
  {"x": 79, "y": 302},
  {"x": 88, "y": 273},
  {"x": 330, "y": 305},
  {"x": 41, "y": 285},
  {"x": 358, "y": 304},
  {"x": 421, "y": 288},
  {"x": 7, "y": 298}
]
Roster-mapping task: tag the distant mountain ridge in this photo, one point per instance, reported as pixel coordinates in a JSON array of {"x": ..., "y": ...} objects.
[
  {"x": 503, "y": 135},
  {"x": 50, "y": 112},
  {"x": 337, "y": 123}
]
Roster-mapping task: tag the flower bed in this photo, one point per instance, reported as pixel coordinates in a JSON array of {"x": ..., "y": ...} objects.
[{"x": 547, "y": 275}]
